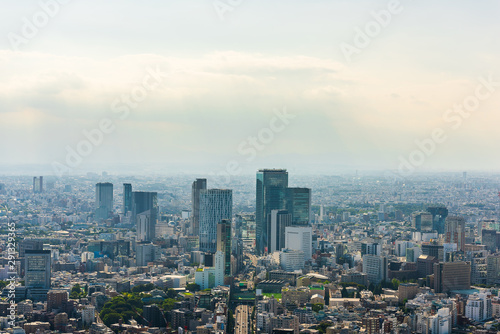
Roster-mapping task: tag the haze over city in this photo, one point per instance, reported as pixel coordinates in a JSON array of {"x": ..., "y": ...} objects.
[
  {"x": 249, "y": 167},
  {"x": 227, "y": 69}
]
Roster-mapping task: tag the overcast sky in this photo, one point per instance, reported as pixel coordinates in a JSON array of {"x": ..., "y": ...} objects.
[{"x": 225, "y": 74}]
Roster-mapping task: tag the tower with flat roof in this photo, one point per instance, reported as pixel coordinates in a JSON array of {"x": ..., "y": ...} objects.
[{"x": 270, "y": 195}]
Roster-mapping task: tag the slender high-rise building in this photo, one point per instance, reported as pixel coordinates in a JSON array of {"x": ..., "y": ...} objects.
[
  {"x": 38, "y": 185},
  {"x": 103, "y": 200},
  {"x": 215, "y": 206},
  {"x": 224, "y": 243},
  {"x": 127, "y": 198},
  {"x": 145, "y": 210},
  {"x": 198, "y": 186},
  {"x": 145, "y": 227},
  {"x": 278, "y": 221},
  {"x": 298, "y": 204},
  {"x": 270, "y": 195},
  {"x": 455, "y": 231}
]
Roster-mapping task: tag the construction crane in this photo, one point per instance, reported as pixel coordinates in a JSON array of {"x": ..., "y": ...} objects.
[{"x": 145, "y": 320}]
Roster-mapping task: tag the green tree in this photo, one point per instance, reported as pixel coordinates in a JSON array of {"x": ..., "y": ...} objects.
[
  {"x": 323, "y": 326},
  {"x": 143, "y": 287},
  {"x": 230, "y": 322},
  {"x": 193, "y": 287},
  {"x": 76, "y": 288},
  {"x": 127, "y": 315},
  {"x": 403, "y": 307},
  {"x": 317, "y": 307},
  {"x": 112, "y": 318},
  {"x": 127, "y": 306},
  {"x": 171, "y": 293},
  {"x": 77, "y": 292},
  {"x": 168, "y": 304},
  {"x": 105, "y": 312},
  {"x": 344, "y": 293}
]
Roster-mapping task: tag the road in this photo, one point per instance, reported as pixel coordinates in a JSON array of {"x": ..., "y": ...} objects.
[
  {"x": 242, "y": 318},
  {"x": 252, "y": 258}
]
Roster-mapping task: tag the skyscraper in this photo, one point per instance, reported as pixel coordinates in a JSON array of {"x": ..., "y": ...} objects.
[
  {"x": 370, "y": 247},
  {"x": 451, "y": 276},
  {"x": 103, "y": 200},
  {"x": 145, "y": 227},
  {"x": 224, "y": 243},
  {"x": 146, "y": 205},
  {"x": 154, "y": 316},
  {"x": 375, "y": 267},
  {"x": 29, "y": 244},
  {"x": 37, "y": 269},
  {"x": 38, "y": 185},
  {"x": 493, "y": 269},
  {"x": 127, "y": 198},
  {"x": 215, "y": 205},
  {"x": 198, "y": 186},
  {"x": 455, "y": 231},
  {"x": 439, "y": 214},
  {"x": 433, "y": 249},
  {"x": 299, "y": 238},
  {"x": 298, "y": 204},
  {"x": 422, "y": 221},
  {"x": 489, "y": 239},
  {"x": 270, "y": 195},
  {"x": 147, "y": 252},
  {"x": 278, "y": 220}
]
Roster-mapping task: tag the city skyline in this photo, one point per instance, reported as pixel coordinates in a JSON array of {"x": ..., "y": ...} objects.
[
  {"x": 249, "y": 167},
  {"x": 358, "y": 237}
]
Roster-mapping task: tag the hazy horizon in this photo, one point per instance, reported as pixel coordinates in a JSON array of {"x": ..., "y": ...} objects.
[{"x": 259, "y": 85}]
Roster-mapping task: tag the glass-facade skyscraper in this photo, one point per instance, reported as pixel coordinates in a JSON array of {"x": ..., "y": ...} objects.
[
  {"x": 146, "y": 205},
  {"x": 271, "y": 195},
  {"x": 224, "y": 243},
  {"x": 127, "y": 198},
  {"x": 38, "y": 185},
  {"x": 298, "y": 204},
  {"x": 215, "y": 206},
  {"x": 103, "y": 200},
  {"x": 198, "y": 186},
  {"x": 439, "y": 214}
]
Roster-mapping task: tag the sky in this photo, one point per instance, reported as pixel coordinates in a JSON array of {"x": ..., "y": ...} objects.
[{"x": 235, "y": 85}]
